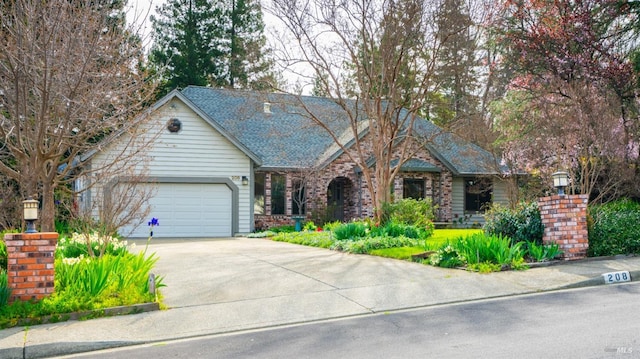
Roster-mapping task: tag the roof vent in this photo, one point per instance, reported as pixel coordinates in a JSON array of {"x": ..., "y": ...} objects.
[{"x": 267, "y": 107}]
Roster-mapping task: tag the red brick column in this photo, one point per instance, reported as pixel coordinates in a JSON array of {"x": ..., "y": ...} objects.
[
  {"x": 30, "y": 259},
  {"x": 565, "y": 222}
]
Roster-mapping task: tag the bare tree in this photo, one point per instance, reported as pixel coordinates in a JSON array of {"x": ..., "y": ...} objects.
[
  {"x": 376, "y": 61},
  {"x": 121, "y": 200},
  {"x": 69, "y": 77},
  {"x": 303, "y": 181}
]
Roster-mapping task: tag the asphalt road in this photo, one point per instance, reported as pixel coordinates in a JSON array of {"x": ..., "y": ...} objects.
[{"x": 594, "y": 322}]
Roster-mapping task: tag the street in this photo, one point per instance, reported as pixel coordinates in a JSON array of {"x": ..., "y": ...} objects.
[{"x": 595, "y": 322}]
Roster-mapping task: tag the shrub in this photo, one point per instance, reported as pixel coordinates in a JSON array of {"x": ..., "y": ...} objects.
[
  {"x": 447, "y": 257},
  {"x": 351, "y": 231},
  {"x": 283, "y": 229},
  {"x": 480, "y": 248},
  {"x": 3, "y": 255},
  {"x": 520, "y": 224},
  {"x": 543, "y": 253},
  {"x": 310, "y": 226},
  {"x": 5, "y": 291},
  {"x": 330, "y": 226},
  {"x": 409, "y": 211},
  {"x": 396, "y": 229},
  {"x": 366, "y": 245},
  {"x": 480, "y": 252},
  {"x": 3, "y": 247},
  {"x": 264, "y": 234},
  {"x": 99, "y": 279},
  {"x": 313, "y": 239},
  {"x": 613, "y": 228}
]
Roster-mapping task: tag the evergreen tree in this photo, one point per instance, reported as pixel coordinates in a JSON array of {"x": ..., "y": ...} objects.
[
  {"x": 199, "y": 42},
  {"x": 457, "y": 62},
  {"x": 246, "y": 63},
  {"x": 187, "y": 36}
]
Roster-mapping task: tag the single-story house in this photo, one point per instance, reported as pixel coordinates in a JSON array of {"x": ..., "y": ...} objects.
[{"x": 230, "y": 162}]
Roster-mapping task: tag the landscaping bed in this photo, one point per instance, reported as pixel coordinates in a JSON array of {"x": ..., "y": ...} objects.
[
  {"x": 471, "y": 249},
  {"x": 94, "y": 276}
]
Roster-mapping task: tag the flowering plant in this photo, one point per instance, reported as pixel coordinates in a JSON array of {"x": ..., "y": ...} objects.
[
  {"x": 91, "y": 245},
  {"x": 152, "y": 223}
]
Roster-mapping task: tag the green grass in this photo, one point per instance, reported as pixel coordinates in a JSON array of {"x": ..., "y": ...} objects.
[
  {"x": 82, "y": 284},
  {"x": 403, "y": 253},
  {"x": 439, "y": 238},
  {"x": 313, "y": 239}
]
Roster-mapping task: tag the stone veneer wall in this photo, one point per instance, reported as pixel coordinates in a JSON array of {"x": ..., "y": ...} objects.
[
  {"x": 357, "y": 199},
  {"x": 30, "y": 261},
  {"x": 565, "y": 223}
]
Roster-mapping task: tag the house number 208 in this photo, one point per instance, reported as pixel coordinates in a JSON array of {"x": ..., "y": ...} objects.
[{"x": 615, "y": 277}]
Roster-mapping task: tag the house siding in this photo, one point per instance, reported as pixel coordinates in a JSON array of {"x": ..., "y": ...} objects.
[
  {"x": 197, "y": 150},
  {"x": 475, "y": 219}
]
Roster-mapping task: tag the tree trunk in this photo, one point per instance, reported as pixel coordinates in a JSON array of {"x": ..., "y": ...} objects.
[{"x": 48, "y": 213}]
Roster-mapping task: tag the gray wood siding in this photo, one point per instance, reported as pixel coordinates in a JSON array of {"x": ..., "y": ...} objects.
[
  {"x": 198, "y": 150},
  {"x": 457, "y": 199},
  {"x": 499, "y": 196}
]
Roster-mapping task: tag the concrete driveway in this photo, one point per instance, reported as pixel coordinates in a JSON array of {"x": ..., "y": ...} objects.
[
  {"x": 226, "y": 285},
  {"x": 314, "y": 282}
]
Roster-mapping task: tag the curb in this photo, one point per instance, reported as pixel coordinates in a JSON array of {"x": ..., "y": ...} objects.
[
  {"x": 596, "y": 281},
  {"x": 98, "y": 313}
]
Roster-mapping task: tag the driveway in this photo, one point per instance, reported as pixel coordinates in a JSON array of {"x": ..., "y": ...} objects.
[
  {"x": 314, "y": 280},
  {"x": 226, "y": 285}
]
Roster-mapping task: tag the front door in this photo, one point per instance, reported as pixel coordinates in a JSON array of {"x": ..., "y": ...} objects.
[{"x": 335, "y": 200}]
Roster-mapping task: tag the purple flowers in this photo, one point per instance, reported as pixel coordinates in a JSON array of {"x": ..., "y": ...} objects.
[{"x": 152, "y": 223}]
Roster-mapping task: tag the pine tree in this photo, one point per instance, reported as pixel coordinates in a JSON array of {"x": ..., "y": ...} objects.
[
  {"x": 186, "y": 42},
  {"x": 199, "y": 42},
  {"x": 457, "y": 62},
  {"x": 247, "y": 65}
]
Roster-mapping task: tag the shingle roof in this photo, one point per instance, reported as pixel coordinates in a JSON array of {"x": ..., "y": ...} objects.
[
  {"x": 458, "y": 155},
  {"x": 287, "y": 138},
  {"x": 284, "y": 138},
  {"x": 417, "y": 165}
]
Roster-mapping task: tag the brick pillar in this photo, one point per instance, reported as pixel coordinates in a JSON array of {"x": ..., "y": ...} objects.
[
  {"x": 565, "y": 223},
  {"x": 30, "y": 258}
]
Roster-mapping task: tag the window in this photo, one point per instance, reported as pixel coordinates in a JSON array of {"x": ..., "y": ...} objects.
[
  {"x": 413, "y": 188},
  {"x": 298, "y": 198},
  {"x": 277, "y": 194},
  {"x": 258, "y": 193},
  {"x": 477, "y": 194}
]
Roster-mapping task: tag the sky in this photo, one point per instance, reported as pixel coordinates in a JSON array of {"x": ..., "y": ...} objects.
[{"x": 138, "y": 12}]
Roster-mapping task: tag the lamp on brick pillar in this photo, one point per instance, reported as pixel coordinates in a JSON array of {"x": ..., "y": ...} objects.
[
  {"x": 30, "y": 209},
  {"x": 560, "y": 181}
]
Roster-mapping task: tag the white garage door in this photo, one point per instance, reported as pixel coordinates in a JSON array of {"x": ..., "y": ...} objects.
[{"x": 189, "y": 210}]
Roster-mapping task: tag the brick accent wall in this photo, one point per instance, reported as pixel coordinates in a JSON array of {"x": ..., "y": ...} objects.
[
  {"x": 357, "y": 198},
  {"x": 30, "y": 258},
  {"x": 264, "y": 222},
  {"x": 565, "y": 223}
]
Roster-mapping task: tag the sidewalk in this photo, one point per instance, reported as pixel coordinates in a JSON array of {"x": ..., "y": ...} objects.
[{"x": 222, "y": 286}]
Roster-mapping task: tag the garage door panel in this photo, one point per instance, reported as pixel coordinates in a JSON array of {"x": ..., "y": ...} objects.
[{"x": 190, "y": 210}]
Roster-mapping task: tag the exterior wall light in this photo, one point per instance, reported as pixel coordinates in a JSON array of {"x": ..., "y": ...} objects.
[
  {"x": 560, "y": 181},
  {"x": 30, "y": 211},
  {"x": 245, "y": 180}
]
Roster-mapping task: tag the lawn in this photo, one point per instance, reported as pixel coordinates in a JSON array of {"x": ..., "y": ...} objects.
[
  {"x": 325, "y": 240},
  {"x": 439, "y": 237}
]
